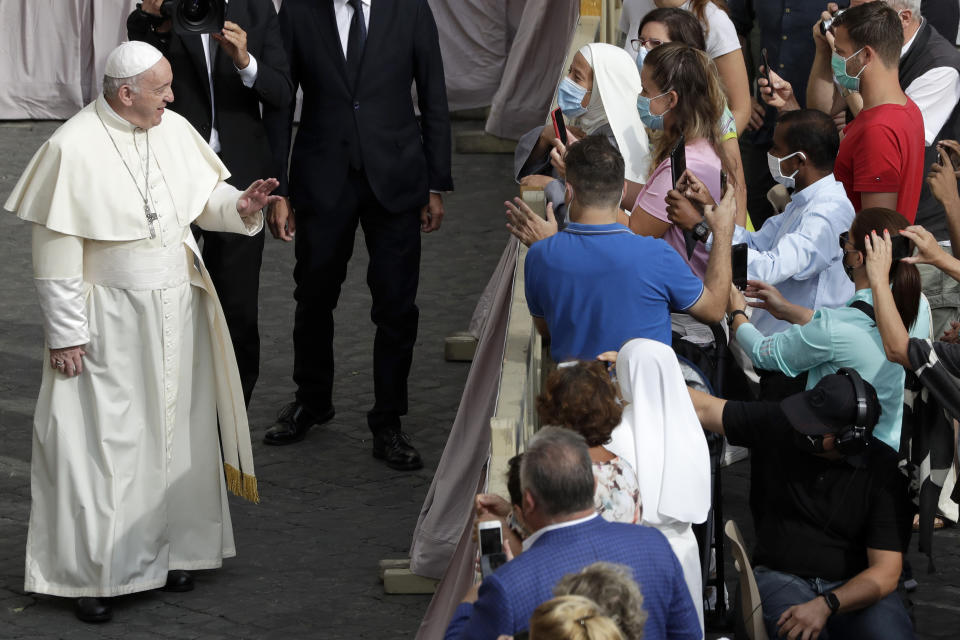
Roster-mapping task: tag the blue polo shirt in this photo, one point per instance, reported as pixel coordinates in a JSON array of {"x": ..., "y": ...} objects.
[{"x": 598, "y": 286}]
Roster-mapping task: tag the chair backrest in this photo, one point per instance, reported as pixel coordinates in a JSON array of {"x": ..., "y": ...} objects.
[{"x": 751, "y": 611}]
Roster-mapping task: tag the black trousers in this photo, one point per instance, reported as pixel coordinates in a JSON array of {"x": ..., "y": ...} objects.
[
  {"x": 233, "y": 261},
  {"x": 324, "y": 245}
]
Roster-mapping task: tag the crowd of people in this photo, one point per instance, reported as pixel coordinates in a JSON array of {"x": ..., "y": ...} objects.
[
  {"x": 834, "y": 172},
  {"x": 847, "y": 219}
]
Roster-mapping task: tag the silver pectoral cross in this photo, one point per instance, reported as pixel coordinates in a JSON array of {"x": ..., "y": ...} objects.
[{"x": 151, "y": 218}]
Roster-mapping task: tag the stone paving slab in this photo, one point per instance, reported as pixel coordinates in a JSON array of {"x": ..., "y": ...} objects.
[{"x": 307, "y": 555}]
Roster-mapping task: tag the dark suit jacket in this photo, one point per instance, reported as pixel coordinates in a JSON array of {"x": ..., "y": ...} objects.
[
  {"x": 244, "y": 144},
  {"x": 403, "y": 160},
  {"x": 508, "y": 598}
]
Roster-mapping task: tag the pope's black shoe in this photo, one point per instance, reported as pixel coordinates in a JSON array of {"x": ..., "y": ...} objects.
[
  {"x": 93, "y": 610},
  {"x": 293, "y": 422},
  {"x": 394, "y": 448},
  {"x": 178, "y": 581}
]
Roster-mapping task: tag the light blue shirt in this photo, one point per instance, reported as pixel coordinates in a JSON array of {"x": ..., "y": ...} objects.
[
  {"x": 835, "y": 338},
  {"x": 798, "y": 251}
]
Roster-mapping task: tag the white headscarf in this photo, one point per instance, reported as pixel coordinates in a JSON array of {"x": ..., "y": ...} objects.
[
  {"x": 661, "y": 436},
  {"x": 616, "y": 85}
]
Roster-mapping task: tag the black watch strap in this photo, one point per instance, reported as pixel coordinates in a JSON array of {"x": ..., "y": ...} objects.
[
  {"x": 832, "y": 601},
  {"x": 733, "y": 314}
]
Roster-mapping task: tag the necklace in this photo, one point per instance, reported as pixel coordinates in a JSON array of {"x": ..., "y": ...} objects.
[{"x": 145, "y": 192}]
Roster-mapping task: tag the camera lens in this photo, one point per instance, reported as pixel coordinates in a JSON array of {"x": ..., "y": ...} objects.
[{"x": 195, "y": 10}]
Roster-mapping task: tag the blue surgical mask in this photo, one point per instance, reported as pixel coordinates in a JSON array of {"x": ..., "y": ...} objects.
[
  {"x": 650, "y": 120},
  {"x": 570, "y": 98},
  {"x": 641, "y": 56},
  {"x": 845, "y": 80}
]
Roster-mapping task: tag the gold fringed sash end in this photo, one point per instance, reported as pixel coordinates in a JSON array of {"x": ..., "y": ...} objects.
[{"x": 241, "y": 484}]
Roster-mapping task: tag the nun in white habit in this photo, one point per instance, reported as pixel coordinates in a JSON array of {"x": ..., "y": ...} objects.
[
  {"x": 661, "y": 437},
  {"x": 598, "y": 96}
]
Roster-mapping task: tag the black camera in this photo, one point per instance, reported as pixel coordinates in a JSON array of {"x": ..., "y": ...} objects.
[
  {"x": 825, "y": 25},
  {"x": 195, "y": 16}
]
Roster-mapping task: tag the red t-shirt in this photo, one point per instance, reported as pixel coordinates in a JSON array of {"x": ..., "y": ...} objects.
[{"x": 882, "y": 152}]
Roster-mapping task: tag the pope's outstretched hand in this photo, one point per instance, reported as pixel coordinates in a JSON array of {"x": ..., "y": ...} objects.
[{"x": 257, "y": 196}]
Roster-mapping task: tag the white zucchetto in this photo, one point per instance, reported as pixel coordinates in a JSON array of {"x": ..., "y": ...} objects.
[{"x": 131, "y": 59}]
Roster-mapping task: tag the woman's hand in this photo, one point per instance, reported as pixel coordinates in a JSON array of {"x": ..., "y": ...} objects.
[
  {"x": 930, "y": 251},
  {"x": 556, "y": 157},
  {"x": 527, "y": 226},
  {"x": 879, "y": 258},
  {"x": 68, "y": 361},
  {"x": 767, "y": 297}
]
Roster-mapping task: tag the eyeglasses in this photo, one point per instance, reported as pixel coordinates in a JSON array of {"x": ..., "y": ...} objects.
[
  {"x": 844, "y": 241},
  {"x": 636, "y": 43}
]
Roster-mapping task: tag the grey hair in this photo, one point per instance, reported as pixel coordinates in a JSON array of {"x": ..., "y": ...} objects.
[
  {"x": 556, "y": 469},
  {"x": 111, "y": 86},
  {"x": 614, "y": 590},
  {"x": 913, "y": 6}
]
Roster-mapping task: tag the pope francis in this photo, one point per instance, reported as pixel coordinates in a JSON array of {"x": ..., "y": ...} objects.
[{"x": 126, "y": 479}]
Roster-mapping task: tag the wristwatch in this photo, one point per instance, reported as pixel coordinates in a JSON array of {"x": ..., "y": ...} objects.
[
  {"x": 701, "y": 231},
  {"x": 832, "y": 602},
  {"x": 733, "y": 314}
]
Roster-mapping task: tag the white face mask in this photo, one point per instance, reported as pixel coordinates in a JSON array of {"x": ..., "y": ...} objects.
[{"x": 773, "y": 162}]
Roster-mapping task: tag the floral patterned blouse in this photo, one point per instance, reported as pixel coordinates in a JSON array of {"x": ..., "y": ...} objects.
[{"x": 618, "y": 496}]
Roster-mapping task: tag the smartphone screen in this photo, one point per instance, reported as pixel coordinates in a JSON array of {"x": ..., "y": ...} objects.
[
  {"x": 678, "y": 160},
  {"x": 490, "y": 540},
  {"x": 739, "y": 259},
  {"x": 559, "y": 126}
]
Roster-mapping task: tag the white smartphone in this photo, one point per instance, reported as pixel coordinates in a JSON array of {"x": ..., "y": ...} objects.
[{"x": 490, "y": 536}]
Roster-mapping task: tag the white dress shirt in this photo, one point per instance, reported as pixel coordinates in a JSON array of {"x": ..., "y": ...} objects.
[
  {"x": 248, "y": 75},
  {"x": 344, "y": 14},
  {"x": 798, "y": 251},
  {"x": 560, "y": 525},
  {"x": 935, "y": 93}
]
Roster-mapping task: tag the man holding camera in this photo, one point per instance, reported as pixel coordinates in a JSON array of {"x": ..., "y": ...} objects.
[
  {"x": 835, "y": 519},
  {"x": 220, "y": 81}
]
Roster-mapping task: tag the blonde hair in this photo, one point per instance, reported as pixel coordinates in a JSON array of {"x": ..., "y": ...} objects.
[
  {"x": 611, "y": 585},
  {"x": 700, "y": 98},
  {"x": 572, "y": 618}
]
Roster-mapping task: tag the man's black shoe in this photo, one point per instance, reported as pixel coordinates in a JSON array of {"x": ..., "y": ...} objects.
[
  {"x": 178, "y": 581},
  {"x": 394, "y": 448},
  {"x": 292, "y": 425},
  {"x": 93, "y": 610}
]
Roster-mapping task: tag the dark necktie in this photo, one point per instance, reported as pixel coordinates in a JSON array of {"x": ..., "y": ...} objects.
[
  {"x": 356, "y": 40},
  {"x": 214, "y": 46}
]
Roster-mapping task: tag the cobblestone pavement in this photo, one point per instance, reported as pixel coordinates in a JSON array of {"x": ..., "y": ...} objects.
[{"x": 307, "y": 555}]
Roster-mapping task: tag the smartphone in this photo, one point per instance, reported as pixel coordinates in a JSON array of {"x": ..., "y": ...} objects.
[
  {"x": 954, "y": 157},
  {"x": 559, "y": 126},
  {"x": 738, "y": 256},
  {"x": 723, "y": 183},
  {"x": 765, "y": 61},
  {"x": 491, "y": 547},
  {"x": 900, "y": 247},
  {"x": 678, "y": 160}
]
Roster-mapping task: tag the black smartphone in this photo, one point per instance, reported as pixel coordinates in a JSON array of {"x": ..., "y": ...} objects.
[
  {"x": 723, "y": 183},
  {"x": 900, "y": 247},
  {"x": 765, "y": 61},
  {"x": 738, "y": 257},
  {"x": 953, "y": 155},
  {"x": 678, "y": 160},
  {"x": 559, "y": 126}
]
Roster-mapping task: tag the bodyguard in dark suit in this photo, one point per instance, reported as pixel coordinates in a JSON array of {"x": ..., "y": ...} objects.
[
  {"x": 360, "y": 157},
  {"x": 249, "y": 68}
]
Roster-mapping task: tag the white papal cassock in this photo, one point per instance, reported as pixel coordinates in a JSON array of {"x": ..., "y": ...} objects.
[{"x": 127, "y": 475}]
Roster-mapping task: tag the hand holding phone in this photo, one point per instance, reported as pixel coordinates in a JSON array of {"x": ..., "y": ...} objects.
[
  {"x": 559, "y": 126},
  {"x": 765, "y": 61}
]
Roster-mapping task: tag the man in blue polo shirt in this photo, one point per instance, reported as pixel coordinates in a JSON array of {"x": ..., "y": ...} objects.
[{"x": 595, "y": 285}]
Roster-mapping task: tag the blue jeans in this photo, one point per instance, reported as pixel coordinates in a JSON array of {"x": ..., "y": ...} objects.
[{"x": 779, "y": 591}]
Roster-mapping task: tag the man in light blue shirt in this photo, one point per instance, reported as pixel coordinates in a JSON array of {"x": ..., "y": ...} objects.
[{"x": 797, "y": 250}]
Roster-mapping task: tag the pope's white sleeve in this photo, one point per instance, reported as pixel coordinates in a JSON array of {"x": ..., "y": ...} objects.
[
  {"x": 58, "y": 274},
  {"x": 220, "y": 214}
]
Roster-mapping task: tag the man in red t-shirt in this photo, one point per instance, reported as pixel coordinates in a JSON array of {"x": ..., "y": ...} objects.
[{"x": 881, "y": 155}]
